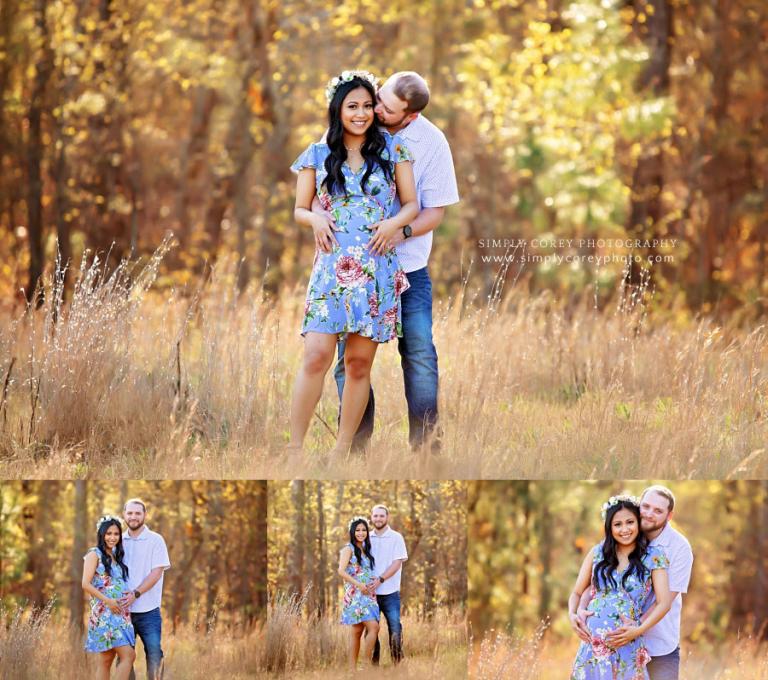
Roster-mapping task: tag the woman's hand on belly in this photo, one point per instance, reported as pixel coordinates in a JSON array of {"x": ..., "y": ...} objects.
[
  {"x": 624, "y": 634},
  {"x": 386, "y": 235}
]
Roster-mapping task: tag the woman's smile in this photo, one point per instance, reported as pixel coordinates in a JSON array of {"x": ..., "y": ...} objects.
[
  {"x": 357, "y": 111},
  {"x": 112, "y": 537}
]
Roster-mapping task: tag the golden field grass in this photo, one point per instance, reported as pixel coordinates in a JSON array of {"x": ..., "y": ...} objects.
[
  {"x": 36, "y": 644},
  {"x": 301, "y": 647},
  {"x": 123, "y": 381},
  {"x": 41, "y": 647},
  {"x": 500, "y": 656}
]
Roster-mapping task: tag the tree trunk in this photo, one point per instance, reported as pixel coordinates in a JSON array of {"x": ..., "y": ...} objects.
[
  {"x": 214, "y": 546},
  {"x": 760, "y": 599},
  {"x": 322, "y": 563},
  {"x": 297, "y": 546},
  {"x": 37, "y": 107},
  {"x": 431, "y": 549},
  {"x": 261, "y": 548},
  {"x": 79, "y": 546},
  {"x": 646, "y": 209},
  {"x": 193, "y": 161}
]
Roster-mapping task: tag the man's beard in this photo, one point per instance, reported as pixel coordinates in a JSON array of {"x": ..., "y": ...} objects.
[
  {"x": 138, "y": 523},
  {"x": 647, "y": 525},
  {"x": 379, "y": 525},
  {"x": 381, "y": 121}
]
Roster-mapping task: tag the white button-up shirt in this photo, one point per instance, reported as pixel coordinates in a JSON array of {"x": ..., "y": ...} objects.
[
  {"x": 664, "y": 637},
  {"x": 435, "y": 184},
  {"x": 386, "y": 548},
  {"x": 143, "y": 554}
]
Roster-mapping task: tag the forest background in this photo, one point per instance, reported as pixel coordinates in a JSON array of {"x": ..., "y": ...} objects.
[
  {"x": 534, "y": 535},
  {"x": 308, "y": 526},
  {"x": 577, "y": 120},
  {"x": 593, "y": 122},
  {"x": 214, "y": 594}
]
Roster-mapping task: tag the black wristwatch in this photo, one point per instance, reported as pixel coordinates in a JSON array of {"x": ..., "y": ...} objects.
[
  {"x": 137, "y": 594},
  {"x": 407, "y": 231}
]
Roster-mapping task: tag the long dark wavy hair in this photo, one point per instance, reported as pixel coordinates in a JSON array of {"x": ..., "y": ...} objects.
[
  {"x": 372, "y": 148},
  {"x": 366, "y": 543},
  {"x": 106, "y": 557},
  {"x": 603, "y": 575}
]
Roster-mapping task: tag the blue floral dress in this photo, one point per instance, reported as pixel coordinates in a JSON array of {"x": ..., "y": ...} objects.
[
  {"x": 597, "y": 660},
  {"x": 105, "y": 629},
  {"x": 357, "y": 605},
  {"x": 352, "y": 290}
]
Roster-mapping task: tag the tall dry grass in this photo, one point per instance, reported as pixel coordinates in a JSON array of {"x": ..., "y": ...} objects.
[
  {"x": 500, "y": 656},
  {"x": 300, "y": 646},
  {"x": 124, "y": 381},
  {"x": 37, "y": 645}
]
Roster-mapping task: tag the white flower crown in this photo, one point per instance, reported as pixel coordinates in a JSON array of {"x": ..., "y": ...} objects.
[
  {"x": 105, "y": 518},
  {"x": 615, "y": 500},
  {"x": 345, "y": 77}
]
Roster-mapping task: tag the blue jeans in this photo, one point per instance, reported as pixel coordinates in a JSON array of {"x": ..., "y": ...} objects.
[
  {"x": 148, "y": 626},
  {"x": 666, "y": 667},
  {"x": 390, "y": 608},
  {"x": 418, "y": 357}
]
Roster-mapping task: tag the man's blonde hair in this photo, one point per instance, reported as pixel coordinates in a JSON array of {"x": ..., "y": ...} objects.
[
  {"x": 137, "y": 501},
  {"x": 382, "y": 506},
  {"x": 662, "y": 491}
]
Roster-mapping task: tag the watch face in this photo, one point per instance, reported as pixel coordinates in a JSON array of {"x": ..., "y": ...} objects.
[{"x": 407, "y": 231}]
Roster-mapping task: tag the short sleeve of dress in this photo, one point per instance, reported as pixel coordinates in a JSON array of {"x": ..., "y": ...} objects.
[
  {"x": 398, "y": 151},
  {"x": 311, "y": 157},
  {"x": 597, "y": 553},
  {"x": 655, "y": 558},
  {"x": 89, "y": 551}
]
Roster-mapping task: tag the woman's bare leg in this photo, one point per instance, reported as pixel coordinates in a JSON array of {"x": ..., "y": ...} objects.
[
  {"x": 104, "y": 661},
  {"x": 371, "y": 632},
  {"x": 355, "y": 632},
  {"x": 126, "y": 655},
  {"x": 319, "y": 350},
  {"x": 358, "y": 361}
]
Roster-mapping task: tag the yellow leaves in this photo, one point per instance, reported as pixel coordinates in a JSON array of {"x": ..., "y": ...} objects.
[{"x": 91, "y": 103}]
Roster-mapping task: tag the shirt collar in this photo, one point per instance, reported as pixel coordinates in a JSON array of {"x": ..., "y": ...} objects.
[
  {"x": 143, "y": 536},
  {"x": 411, "y": 131},
  {"x": 665, "y": 537},
  {"x": 387, "y": 531}
]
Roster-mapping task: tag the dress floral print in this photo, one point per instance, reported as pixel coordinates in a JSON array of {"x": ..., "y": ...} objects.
[
  {"x": 107, "y": 630},
  {"x": 352, "y": 290},
  {"x": 597, "y": 660},
  {"x": 359, "y": 606}
]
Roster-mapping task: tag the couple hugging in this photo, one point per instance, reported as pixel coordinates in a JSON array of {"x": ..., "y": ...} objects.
[
  {"x": 123, "y": 574},
  {"x": 371, "y": 567},
  {"x": 372, "y": 192},
  {"x": 627, "y": 601}
]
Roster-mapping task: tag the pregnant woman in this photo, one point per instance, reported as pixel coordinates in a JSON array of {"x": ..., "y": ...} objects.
[
  {"x": 360, "y": 609},
  {"x": 105, "y": 579},
  {"x": 356, "y": 283},
  {"x": 629, "y": 588}
]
